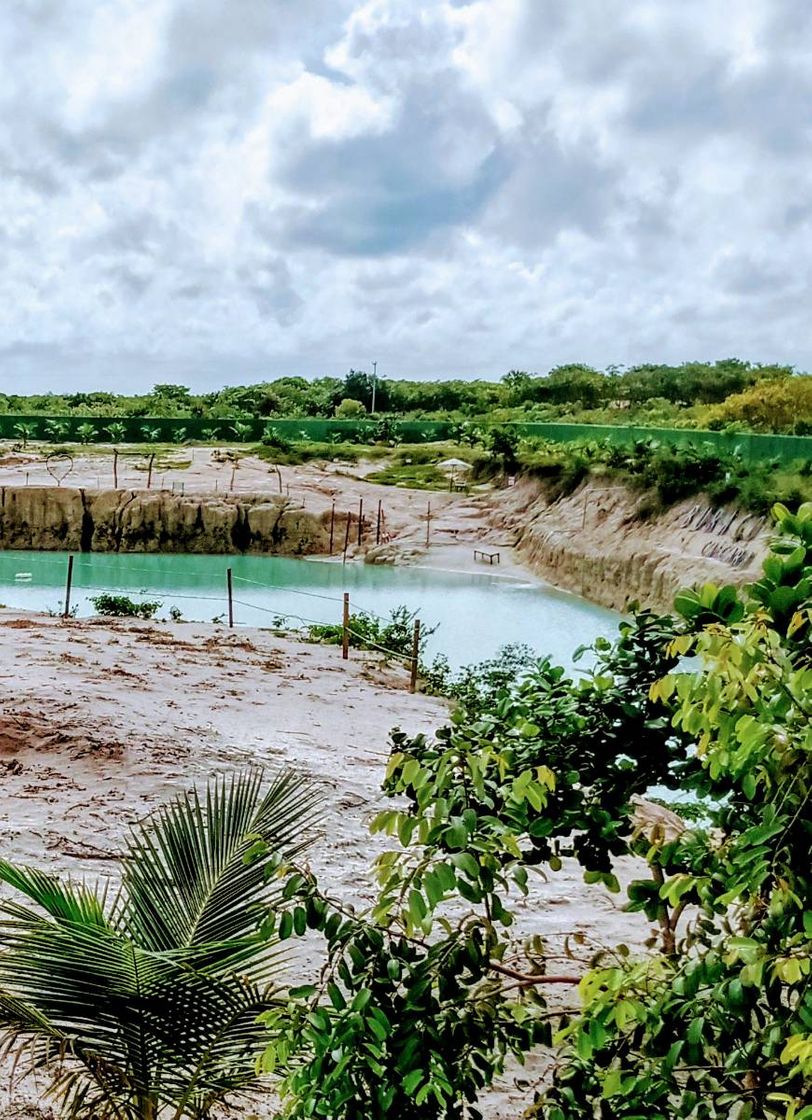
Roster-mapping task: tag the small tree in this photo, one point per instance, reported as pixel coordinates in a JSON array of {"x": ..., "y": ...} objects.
[
  {"x": 116, "y": 431},
  {"x": 25, "y": 433},
  {"x": 57, "y": 430},
  {"x": 86, "y": 433}
]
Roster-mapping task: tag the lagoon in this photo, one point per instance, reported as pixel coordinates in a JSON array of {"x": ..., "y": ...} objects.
[{"x": 476, "y": 613}]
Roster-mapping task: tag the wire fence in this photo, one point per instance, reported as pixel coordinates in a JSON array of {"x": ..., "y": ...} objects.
[{"x": 344, "y": 632}]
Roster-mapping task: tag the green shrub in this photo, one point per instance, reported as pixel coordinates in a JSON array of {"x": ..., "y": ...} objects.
[
  {"x": 349, "y": 409},
  {"x": 367, "y": 631},
  {"x": 121, "y": 606},
  {"x": 272, "y": 437}
]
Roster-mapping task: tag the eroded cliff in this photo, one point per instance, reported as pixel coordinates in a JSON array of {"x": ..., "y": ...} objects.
[
  {"x": 597, "y": 543},
  {"x": 74, "y": 520}
]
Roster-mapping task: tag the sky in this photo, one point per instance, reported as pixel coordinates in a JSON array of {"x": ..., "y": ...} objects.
[{"x": 219, "y": 191}]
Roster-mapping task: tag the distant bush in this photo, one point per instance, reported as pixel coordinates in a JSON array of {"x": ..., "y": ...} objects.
[
  {"x": 272, "y": 437},
  {"x": 769, "y": 406},
  {"x": 349, "y": 409},
  {"x": 121, "y": 606}
]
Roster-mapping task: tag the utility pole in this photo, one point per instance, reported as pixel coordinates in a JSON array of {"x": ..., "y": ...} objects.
[{"x": 374, "y": 384}]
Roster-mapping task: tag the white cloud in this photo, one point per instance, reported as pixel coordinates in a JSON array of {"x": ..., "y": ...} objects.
[{"x": 217, "y": 191}]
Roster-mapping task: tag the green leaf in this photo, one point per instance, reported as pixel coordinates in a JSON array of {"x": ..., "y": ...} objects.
[{"x": 411, "y": 1082}]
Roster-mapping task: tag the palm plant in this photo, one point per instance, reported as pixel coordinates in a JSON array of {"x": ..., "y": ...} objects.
[
  {"x": 57, "y": 430},
  {"x": 116, "y": 431},
  {"x": 86, "y": 432},
  {"x": 144, "y": 1004},
  {"x": 25, "y": 432},
  {"x": 242, "y": 430},
  {"x": 149, "y": 434}
]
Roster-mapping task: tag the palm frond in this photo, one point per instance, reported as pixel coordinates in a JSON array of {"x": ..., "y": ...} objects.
[
  {"x": 63, "y": 900},
  {"x": 187, "y": 881}
]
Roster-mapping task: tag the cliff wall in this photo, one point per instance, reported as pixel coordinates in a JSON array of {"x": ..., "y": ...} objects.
[
  {"x": 598, "y": 543},
  {"x": 78, "y": 520}
]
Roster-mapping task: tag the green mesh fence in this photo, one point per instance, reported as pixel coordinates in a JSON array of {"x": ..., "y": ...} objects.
[{"x": 90, "y": 429}]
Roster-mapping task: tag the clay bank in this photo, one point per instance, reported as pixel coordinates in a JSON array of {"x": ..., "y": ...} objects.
[
  {"x": 600, "y": 542},
  {"x": 59, "y": 518}
]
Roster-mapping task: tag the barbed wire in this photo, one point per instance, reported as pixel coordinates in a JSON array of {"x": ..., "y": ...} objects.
[
  {"x": 145, "y": 591},
  {"x": 314, "y": 622},
  {"x": 282, "y": 587}
]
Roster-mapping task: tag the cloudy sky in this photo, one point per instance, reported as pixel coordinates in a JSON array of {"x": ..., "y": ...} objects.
[{"x": 210, "y": 191}]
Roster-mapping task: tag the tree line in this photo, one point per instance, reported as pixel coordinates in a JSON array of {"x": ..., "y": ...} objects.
[{"x": 566, "y": 386}]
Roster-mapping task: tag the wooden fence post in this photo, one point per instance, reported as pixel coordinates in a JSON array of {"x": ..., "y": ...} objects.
[
  {"x": 68, "y": 584},
  {"x": 230, "y": 598},
  {"x": 345, "y": 628},
  {"x": 428, "y": 524},
  {"x": 378, "y": 524},
  {"x": 347, "y": 535},
  {"x": 360, "y": 519},
  {"x": 332, "y": 524},
  {"x": 149, "y": 471},
  {"x": 415, "y": 656},
  {"x": 115, "y": 468}
]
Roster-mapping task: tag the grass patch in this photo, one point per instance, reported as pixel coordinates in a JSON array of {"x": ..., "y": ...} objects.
[{"x": 412, "y": 476}]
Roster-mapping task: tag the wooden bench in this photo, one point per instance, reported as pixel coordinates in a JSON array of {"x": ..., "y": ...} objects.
[{"x": 491, "y": 557}]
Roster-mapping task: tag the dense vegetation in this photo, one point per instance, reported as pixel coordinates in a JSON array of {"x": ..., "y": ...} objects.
[
  {"x": 662, "y": 473},
  {"x": 665, "y": 474},
  {"x": 694, "y": 394}
]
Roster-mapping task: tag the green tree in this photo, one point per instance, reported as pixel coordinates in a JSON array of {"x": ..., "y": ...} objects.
[
  {"x": 25, "y": 432},
  {"x": 783, "y": 405},
  {"x": 349, "y": 409},
  {"x": 146, "y": 1002},
  {"x": 57, "y": 430}
]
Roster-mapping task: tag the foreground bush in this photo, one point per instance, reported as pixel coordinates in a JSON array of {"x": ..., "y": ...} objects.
[
  {"x": 393, "y": 635},
  {"x": 422, "y": 998}
]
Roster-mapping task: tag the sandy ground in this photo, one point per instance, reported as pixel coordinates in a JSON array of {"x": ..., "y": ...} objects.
[{"x": 100, "y": 721}]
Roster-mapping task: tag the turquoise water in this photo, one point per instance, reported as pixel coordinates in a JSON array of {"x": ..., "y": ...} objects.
[{"x": 477, "y": 613}]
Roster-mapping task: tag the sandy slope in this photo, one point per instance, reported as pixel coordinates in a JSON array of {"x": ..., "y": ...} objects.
[{"x": 100, "y": 721}]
